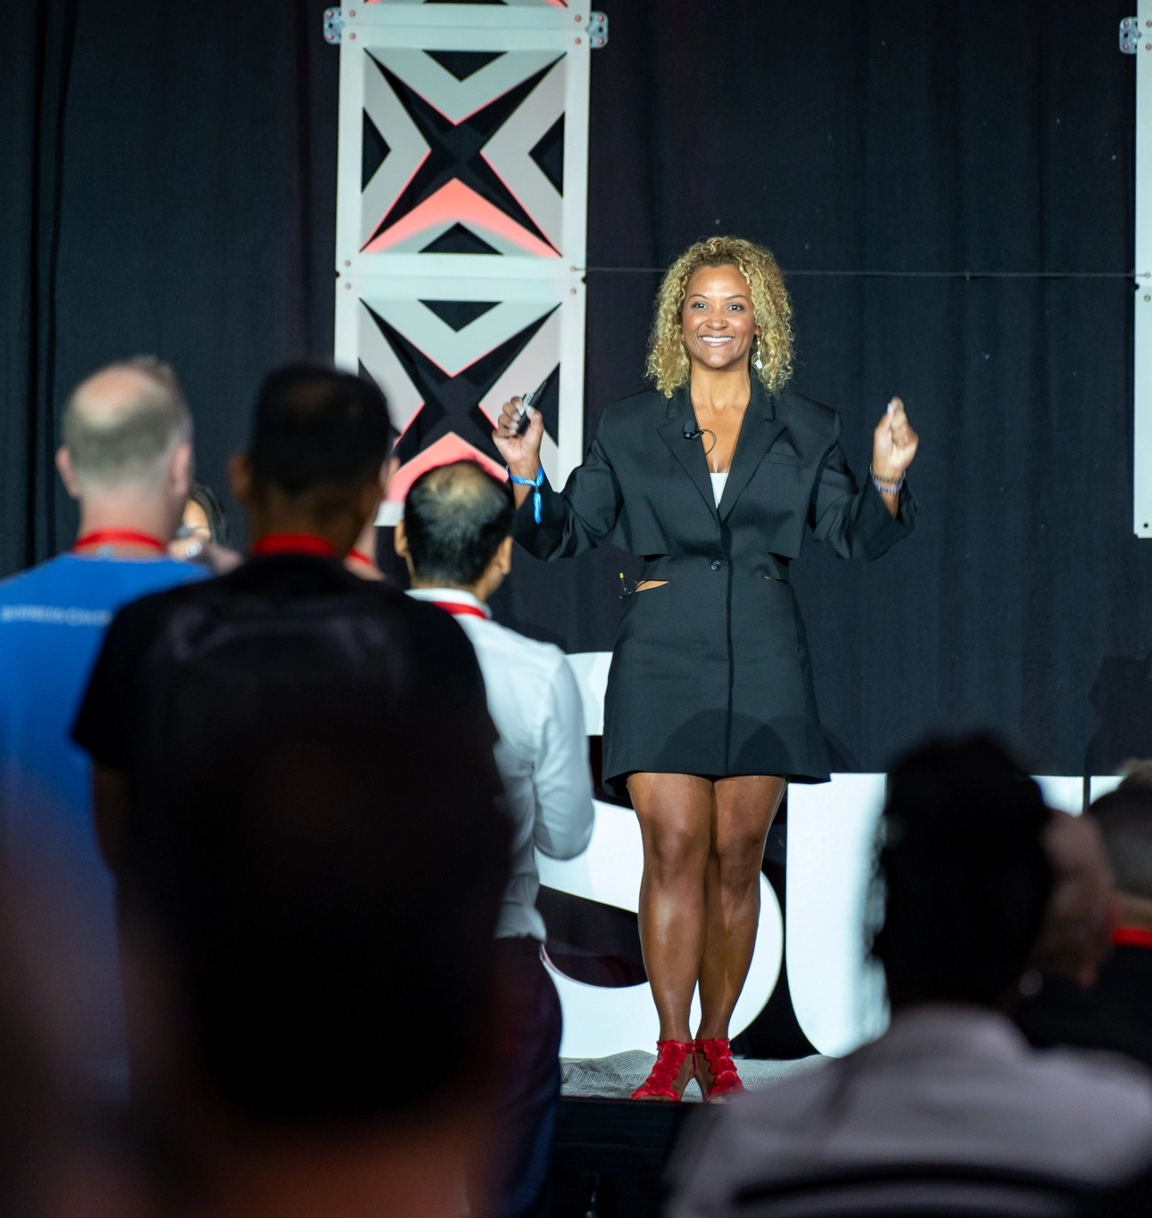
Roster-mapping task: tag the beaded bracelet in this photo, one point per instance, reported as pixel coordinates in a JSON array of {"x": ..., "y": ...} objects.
[{"x": 886, "y": 488}]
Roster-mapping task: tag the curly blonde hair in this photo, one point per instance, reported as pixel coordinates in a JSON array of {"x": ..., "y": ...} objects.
[{"x": 668, "y": 363}]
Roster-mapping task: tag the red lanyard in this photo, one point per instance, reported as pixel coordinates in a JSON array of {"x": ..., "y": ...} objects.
[
  {"x": 360, "y": 557},
  {"x": 458, "y": 610},
  {"x": 1131, "y": 936},
  {"x": 293, "y": 543},
  {"x": 123, "y": 537}
]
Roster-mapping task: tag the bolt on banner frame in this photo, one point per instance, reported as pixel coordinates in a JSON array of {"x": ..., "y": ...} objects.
[{"x": 461, "y": 226}]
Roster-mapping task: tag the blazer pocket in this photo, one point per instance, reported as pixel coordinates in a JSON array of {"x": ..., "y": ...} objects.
[{"x": 783, "y": 458}]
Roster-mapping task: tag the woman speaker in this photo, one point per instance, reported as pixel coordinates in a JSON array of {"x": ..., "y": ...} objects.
[{"x": 712, "y": 477}]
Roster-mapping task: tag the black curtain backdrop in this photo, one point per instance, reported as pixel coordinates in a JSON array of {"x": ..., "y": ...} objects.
[{"x": 949, "y": 187}]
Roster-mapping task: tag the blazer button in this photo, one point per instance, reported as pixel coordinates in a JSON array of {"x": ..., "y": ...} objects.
[{"x": 716, "y": 564}]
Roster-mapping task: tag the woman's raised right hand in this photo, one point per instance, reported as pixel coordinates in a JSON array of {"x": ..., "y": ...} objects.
[{"x": 521, "y": 453}]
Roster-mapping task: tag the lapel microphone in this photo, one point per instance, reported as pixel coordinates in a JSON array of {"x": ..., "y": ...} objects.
[{"x": 689, "y": 434}]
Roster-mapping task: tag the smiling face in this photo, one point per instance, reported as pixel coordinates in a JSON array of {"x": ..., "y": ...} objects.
[{"x": 718, "y": 319}]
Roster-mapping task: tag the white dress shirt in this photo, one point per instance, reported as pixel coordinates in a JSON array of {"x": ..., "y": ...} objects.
[
  {"x": 542, "y": 754},
  {"x": 946, "y": 1084}
]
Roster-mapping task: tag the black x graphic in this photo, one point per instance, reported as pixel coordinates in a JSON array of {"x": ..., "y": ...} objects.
[
  {"x": 455, "y": 152},
  {"x": 452, "y": 403}
]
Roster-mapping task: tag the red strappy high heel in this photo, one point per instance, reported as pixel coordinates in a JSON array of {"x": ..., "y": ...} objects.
[
  {"x": 725, "y": 1081},
  {"x": 670, "y": 1055}
]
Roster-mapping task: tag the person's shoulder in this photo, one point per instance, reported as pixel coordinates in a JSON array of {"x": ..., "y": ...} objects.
[
  {"x": 443, "y": 633},
  {"x": 180, "y": 571},
  {"x": 1097, "y": 1103},
  {"x": 1117, "y": 1086},
  {"x": 160, "y": 575},
  {"x": 648, "y": 406},
  {"x": 76, "y": 584},
  {"x": 155, "y": 603},
  {"x": 806, "y": 414},
  {"x": 544, "y": 658},
  {"x": 16, "y": 588}
]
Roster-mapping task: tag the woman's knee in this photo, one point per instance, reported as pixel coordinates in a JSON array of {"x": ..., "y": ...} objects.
[
  {"x": 740, "y": 858},
  {"x": 675, "y": 851}
]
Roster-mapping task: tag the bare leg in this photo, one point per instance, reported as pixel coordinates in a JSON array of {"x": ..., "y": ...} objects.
[
  {"x": 743, "y": 809},
  {"x": 675, "y": 815}
]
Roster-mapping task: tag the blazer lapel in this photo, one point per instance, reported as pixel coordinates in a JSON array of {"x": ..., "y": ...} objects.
[
  {"x": 690, "y": 453},
  {"x": 757, "y": 435}
]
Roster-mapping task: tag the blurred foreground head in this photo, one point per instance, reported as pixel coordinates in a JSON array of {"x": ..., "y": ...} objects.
[
  {"x": 965, "y": 874},
  {"x": 316, "y": 453},
  {"x": 1077, "y": 932},
  {"x": 317, "y": 862},
  {"x": 1124, "y": 817}
]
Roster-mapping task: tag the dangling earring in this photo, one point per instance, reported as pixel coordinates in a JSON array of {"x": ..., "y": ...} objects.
[{"x": 757, "y": 362}]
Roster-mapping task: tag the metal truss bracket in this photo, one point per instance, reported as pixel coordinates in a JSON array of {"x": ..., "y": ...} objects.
[
  {"x": 1130, "y": 35},
  {"x": 598, "y": 30},
  {"x": 333, "y": 25}
]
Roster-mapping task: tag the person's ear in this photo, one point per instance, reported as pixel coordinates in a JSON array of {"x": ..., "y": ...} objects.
[
  {"x": 240, "y": 479},
  {"x": 400, "y": 540},
  {"x": 180, "y": 471},
  {"x": 504, "y": 556},
  {"x": 66, "y": 472}
]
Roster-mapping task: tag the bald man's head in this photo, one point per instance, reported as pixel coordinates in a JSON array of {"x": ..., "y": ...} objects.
[
  {"x": 455, "y": 517},
  {"x": 121, "y": 424}
]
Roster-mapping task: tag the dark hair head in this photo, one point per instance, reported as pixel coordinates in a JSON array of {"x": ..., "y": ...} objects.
[
  {"x": 315, "y": 839},
  {"x": 455, "y": 518},
  {"x": 317, "y": 427},
  {"x": 205, "y": 496},
  {"x": 1125, "y": 820},
  {"x": 964, "y": 871}
]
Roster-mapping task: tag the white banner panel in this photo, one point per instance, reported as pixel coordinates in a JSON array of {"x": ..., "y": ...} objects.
[{"x": 461, "y": 221}]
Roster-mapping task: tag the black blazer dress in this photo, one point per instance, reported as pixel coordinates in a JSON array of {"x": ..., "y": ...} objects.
[{"x": 710, "y": 673}]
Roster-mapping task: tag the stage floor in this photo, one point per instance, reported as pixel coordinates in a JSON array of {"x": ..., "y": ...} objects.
[{"x": 616, "y": 1077}]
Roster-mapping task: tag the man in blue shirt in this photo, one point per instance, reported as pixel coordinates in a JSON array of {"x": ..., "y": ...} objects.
[{"x": 127, "y": 457}]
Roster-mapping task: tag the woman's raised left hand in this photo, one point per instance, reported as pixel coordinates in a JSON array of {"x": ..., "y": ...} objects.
[{"x": 893, "y": 443}]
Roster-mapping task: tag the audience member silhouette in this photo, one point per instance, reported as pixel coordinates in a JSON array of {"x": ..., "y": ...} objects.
[
  {"x": 950, "y": 1103},
  {"x": 309, "y": 889},
  {"x": 127, "y": 457},
  {"x": 1125, "y": 820},
  {"x": 1061, "y": 1002},
  {"x": 455, "y": 537}
]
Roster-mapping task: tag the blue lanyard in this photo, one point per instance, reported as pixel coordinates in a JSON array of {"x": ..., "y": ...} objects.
[{"x": 535, "y": 491}]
